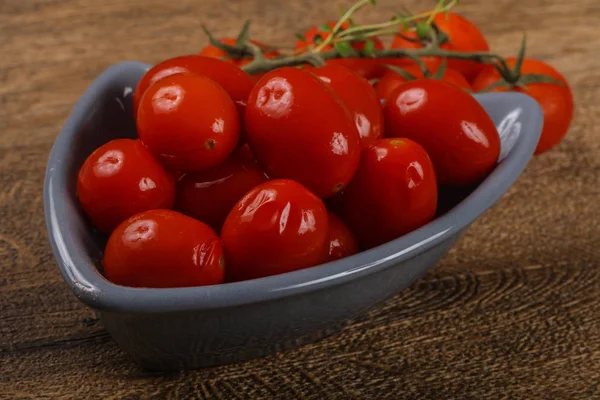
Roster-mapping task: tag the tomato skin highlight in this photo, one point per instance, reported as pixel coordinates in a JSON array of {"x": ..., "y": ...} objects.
[
  {"x": 299, "y": 129},
  {"x": 209, "y": 196},
  {"x": 394, "y": 192},
  {"x": 556, "y": 100},
  {"x": 236, "y": 82},
  {"x": 188, "y": 122},
  {"x": 277, "y": 227},
  {"x": 359, "y": 97},
  {"x": 391, "y": 80},
  {"x": 458, "y": 134},
  {"x": 342, "y": 242},
  {"x": 463, "y": 35},
  {"x": 161, "y": 249},
  {"x": 122, "y": 178}
]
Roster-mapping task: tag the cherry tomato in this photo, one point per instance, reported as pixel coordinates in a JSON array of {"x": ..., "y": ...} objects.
[
  {"x": 209, "y": 195},
  {"x": 463, "y": 35},
  {"x": 161, "y": 249},
  {"x": 120, "y": 179},
  {"x": 363, "y": 66},
  {"x": 236, "y": 82},
  {"x": 299, "y": 129},
  {"x": 393, "y": 193},
  {"x": 342, "y": 242},
  {"x": 279, "y": 226},
  {"x": 188, "y": 122},
  {"x": 359, "y": 97},
  {"x": 450, "y": 124},
  {"x": 391, "y": 80},
  {"x": 556, "y": 100},
  {"x": 214, "y": 52}
]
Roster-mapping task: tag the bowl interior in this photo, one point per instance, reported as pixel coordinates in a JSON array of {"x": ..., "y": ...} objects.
[{"x": 104, "y": 112}]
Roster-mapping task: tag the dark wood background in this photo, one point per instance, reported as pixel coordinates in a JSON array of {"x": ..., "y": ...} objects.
[{"x": 512, "y": 312}]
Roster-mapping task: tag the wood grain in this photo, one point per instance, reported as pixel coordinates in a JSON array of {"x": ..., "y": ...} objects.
[{"x": 512, "y": 312}]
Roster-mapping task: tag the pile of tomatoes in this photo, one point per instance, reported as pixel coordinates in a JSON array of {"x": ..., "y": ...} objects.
[{"x": 235, "y": 178}]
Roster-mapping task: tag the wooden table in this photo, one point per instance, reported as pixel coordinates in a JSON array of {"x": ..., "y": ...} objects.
[{"x": 512, "y": 312}]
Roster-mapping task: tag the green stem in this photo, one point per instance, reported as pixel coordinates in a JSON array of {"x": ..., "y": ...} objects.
[
  {"x": 383, "y": 28},
  {"x": 261, "y": 64},
  {"x": 438, "y": 9},
  {"x": 368, "y": 29},
  {"x": 264, "y": 65},
  {"x": 347, "y": 15}
]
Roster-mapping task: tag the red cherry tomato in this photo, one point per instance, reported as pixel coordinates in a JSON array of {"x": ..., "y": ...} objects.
[
  {"x": 120, "y": 179},
  {"x": 342, "y": 242},
  {"x": 359, "y": 97},
  {"x": 236, "y": 82},
  {"x": 363, "y": 66},
  {"x": 188, "y": 122},
  {"x": 393, "y": 193},
  {"x": 556, "y": 100},
  {"x": 450, "y": 124},
  {"x": 391, "y": 80},
  {"x": 161, "y": 249},
  {"x": 279, "y": 226},
  {"x": 463, "y": 35},
  {"x": 209, "y": 195},
  {"x": 299, "y": 129}
]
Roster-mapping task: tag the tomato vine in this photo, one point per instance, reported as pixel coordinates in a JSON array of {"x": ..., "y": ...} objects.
[{"x": 337, "y": 44}]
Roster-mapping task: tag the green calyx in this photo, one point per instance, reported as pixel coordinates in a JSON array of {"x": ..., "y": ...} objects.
[{"x": 514, "y": 78}]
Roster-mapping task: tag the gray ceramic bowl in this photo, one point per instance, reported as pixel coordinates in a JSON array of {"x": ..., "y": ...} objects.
[{"x": 168, "y": 329}]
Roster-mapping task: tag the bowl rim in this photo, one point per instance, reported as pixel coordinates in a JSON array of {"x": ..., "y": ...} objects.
[{"x": 81, "y": 274}]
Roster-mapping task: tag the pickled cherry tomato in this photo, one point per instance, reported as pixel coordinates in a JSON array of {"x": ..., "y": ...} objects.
[
  {"x": 299, "y": 129},
  {"x": 393, "y": 193},
  {"x": 163, "y": 248},
  {"x": 188, "y": 122},
  {"x": 122, "y": 178},
  {"x": 279, "y": 226}
]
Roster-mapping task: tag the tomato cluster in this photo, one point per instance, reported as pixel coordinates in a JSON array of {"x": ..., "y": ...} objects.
[{"x": 234, "y": 178}]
